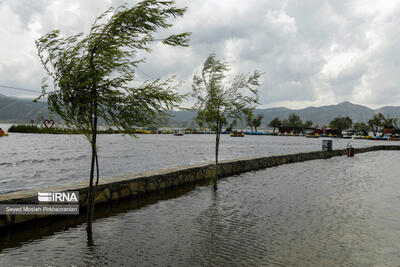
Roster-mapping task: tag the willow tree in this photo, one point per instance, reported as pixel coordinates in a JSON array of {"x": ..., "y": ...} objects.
[
  {"x": 219, "y": 99},
  {"x": 92, "y": 74}
]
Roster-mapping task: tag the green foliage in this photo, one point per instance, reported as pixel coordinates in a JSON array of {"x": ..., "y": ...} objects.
[
  {"x": 293, "y": 121},
  {"x": 249, "y": 119},
  {"x": 308, "y": 124},
  {"x": 24, "y": 129},
  {"x": 32, "y": 128},
  {"x": 361, "y": 128},
  {"x": 92, "y": 73},
  {"x": 390, "y": 123},
  {"x": 341, "y": 123},
  {"x": 376, "y": 122},
  {"x": 217, "y": 99},
  {"x": 254, "y": 121},
  {"x": 380, "y": 121},
  {"x": 275, "y": 123},
  {"x": 233, "y": 124}
]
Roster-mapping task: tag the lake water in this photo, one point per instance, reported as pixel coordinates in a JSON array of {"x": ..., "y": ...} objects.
[
  {"x": 336, "y": 212},
  {"x": 33, "y": 161}
]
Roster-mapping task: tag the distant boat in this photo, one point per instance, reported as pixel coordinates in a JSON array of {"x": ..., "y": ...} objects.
[
  {"x": 312, "y": 136},
  {"x": 237, "y": 134},
  {"x": 347, "y": 135},
  {"x": 383, "y": 138},
  {"x": 257, "y": 133},
  {"x": 178, "y": 134},
  {"x": 142, "y": 131}
]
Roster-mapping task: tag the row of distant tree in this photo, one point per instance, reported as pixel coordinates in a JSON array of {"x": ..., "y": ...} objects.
[
  {"x": 377, "y": 123},
  {"x": 292, "y": 121}
]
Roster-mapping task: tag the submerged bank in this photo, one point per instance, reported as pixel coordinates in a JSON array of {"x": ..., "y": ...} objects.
[{"x": 153, "y": 181}]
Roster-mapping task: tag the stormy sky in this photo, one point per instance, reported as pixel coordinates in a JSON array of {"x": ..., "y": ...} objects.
[{"x": 312, "y": 52}]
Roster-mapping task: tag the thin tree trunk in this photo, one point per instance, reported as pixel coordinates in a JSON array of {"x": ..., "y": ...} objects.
[
  {"x": 217, "y": 135},
  {"x": 92, "y": 189},
  {"x": 93, "y": 114}
]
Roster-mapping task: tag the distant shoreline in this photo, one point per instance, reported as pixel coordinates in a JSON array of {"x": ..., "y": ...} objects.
[{"x": 34, "y": 129}]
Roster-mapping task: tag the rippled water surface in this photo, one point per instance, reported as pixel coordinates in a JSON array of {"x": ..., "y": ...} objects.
[
  {"x": 33, "y": 161},
  {"x": 341, "y": 211}
]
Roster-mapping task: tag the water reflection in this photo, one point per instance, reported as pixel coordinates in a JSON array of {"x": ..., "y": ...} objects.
[
  {"x": 340, "y": 211},
  {"x": 34, "y": 230}
]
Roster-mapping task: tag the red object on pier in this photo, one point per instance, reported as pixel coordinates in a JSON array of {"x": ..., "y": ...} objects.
[{"x": 350, "y": 151}]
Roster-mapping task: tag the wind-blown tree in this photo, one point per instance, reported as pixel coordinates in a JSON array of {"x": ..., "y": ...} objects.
[
  {"x": 92, "y": 74},
  {"x": 219, "y": 99},
  {"x": 275, "y": 123}
]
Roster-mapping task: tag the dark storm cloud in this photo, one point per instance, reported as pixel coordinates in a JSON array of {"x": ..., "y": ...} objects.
[{"x": 311, "y": 51}]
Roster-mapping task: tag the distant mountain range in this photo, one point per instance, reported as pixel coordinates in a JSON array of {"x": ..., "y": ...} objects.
[
  {"x": 14, "y": 109},
  {"x": 319, "y": 115}
]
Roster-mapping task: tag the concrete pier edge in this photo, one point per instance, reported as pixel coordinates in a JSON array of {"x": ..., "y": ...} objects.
[{"x": 152, "y": 181}]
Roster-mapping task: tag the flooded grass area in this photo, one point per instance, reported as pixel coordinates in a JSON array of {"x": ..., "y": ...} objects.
[{"x": 340, "y": 211}]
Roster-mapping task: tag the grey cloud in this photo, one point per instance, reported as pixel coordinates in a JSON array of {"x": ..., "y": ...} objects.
[
  {"x": 299, "y": 45},
  {"x": 26, "y": 9}
]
